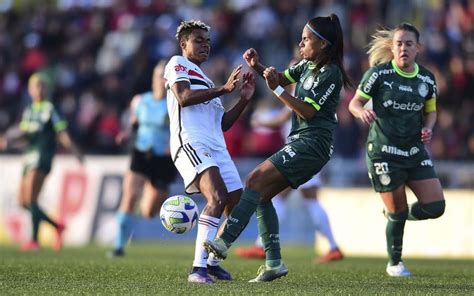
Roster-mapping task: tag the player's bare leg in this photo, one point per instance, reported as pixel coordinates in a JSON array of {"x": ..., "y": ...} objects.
[{"x": 132, "y": 190}]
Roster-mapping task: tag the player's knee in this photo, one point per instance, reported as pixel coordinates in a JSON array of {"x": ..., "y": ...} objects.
[
  {"x": 254, "y": 182},
  {"x": 435, "y": 209},
  {"x": 217, "y": 200},
  {"x": 398, "y": 216}
]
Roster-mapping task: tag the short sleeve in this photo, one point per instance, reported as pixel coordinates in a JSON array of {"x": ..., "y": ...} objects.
[
  {"x": 135, "y": 104},
  {"x": 25, "y": 119},
  {"x": 176, "y": 70},
  {"x": 294, "y": 73},
  {"x": 369, "y": 84},
  {"x": 58, "y": 122},
  {"x": 430, "y": 102}
]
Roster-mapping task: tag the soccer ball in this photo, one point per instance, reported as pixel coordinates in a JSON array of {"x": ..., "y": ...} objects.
[{"x": 179, "y": 214}]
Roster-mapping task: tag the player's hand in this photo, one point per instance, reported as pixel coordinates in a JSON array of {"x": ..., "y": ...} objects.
[
  {"x": 367, "y": 116},
  {"x": 81, "y": 159},
  {"x": 3, "y": 143},
  {"x": 426, "y": 134},
  {"x": 251, "y": 57},
  {"x": 232, "y": 80},
  {"x": 248, "y": 86},
  {"x": 121, "y": 138},
  {"x": 271, "y": 77}
]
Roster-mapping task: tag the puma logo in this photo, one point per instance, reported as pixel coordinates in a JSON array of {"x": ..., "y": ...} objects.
[{"x": 389, "y": 84}]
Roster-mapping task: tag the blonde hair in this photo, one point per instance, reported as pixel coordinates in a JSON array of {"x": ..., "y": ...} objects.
[
  {"x": 380, "y": 48},
  {"x": 38, "y": 76},
  {"x": 186, "y": 27}
]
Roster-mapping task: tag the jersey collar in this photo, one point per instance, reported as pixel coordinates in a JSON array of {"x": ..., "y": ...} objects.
[
  {"x": 38, "y": 106},
  {"x": 403, "y": 73}
]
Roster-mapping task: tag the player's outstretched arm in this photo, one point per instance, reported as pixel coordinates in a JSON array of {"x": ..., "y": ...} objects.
[
  {"x": 65, "y": 140},
  {"x": 251, "y": 57},
  {"x": 14, "y": 137},
  {"x": 188, "y": 97},
  {"x": 131, "y": 127},
  {"x": 3, "y": 143},
  {"x": 247, "y": 90}
]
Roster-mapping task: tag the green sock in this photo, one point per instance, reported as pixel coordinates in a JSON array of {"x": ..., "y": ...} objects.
[
  {"x": 269, "y": 231},
  {"x": 419, "y": 211},
  {"x": 394, "y": 235},
  {"x": 37, "y": 215},
  {"x": 273, "y": 263},
  {"x": 240, "y": 216}
]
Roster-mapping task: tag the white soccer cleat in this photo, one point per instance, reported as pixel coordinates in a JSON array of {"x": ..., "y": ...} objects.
[
  {"x": 398, "y": 270},
  {"x": 268, "y": 274}
]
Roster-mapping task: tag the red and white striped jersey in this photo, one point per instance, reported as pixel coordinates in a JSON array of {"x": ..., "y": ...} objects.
[{"x": 196, "y": 123}]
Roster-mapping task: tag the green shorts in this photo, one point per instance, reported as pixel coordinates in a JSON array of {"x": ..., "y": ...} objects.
[
  {"x": 36, "y": 161},
  {"x": 389, "y": 167},
  {"x": 301, "y": 159}
]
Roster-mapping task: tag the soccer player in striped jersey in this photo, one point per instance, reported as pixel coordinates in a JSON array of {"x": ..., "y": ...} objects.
[
  {"x": 319, "y": 78},
  {"x": 197, "y": 122},
  {"x": 403, "y": 95},
  {"x": 41, "y": 127},
  {"x": 151, "y": 168}
]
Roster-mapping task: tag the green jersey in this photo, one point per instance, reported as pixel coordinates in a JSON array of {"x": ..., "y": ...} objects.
[
  {"x": 40, "y": 123},
  {"x": 400, "y": 100},
  {"x": 321, "y": 89}
]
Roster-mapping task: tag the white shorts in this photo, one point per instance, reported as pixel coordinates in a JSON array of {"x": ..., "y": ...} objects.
[
  {"x": 193, "y": 159},
  {"x": 315, "y": 181}
]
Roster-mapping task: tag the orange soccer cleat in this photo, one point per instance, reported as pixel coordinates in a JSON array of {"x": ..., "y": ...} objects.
[
  {"x": 332, "y": 255},
  {"x": 31, "y": 245},
  {"x": 58, "y": 240},
  {"x": 253, "y": 252}
]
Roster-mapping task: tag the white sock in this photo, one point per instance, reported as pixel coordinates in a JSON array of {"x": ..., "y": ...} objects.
[
  {"x": 279, "y": 203},
  {"x": 258, "y": 242},
  {"x": 212, "y": 260},
  {"x": 207, "y": 230},
  {"x": 320, "y": 220}
]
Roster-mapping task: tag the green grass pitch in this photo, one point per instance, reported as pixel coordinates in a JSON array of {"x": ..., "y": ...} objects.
[{"x": 161, "y": 269}]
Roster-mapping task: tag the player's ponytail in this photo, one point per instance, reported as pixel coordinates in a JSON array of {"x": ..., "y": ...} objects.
[
  {"x": 329, "y": 29},
  {"x": 380, "y": 48}
]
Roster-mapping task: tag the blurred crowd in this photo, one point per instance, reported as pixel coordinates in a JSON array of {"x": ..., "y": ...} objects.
[{"x": 99, "y": 54}]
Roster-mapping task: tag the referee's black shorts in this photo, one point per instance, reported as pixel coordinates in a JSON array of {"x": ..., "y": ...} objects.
[{"x": 160, "y": 170}]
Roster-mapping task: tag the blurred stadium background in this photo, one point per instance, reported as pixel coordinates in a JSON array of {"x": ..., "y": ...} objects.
[{"x": 100, "y": 53}]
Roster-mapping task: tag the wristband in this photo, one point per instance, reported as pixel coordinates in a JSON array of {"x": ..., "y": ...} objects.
[{"x": 278, "y": 91}]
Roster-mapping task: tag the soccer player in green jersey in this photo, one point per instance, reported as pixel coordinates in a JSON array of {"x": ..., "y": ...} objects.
[
  {"x": 41, "y": 128},
  {"x": 403, "y": 95},
  {"x": 319, "y": 78}
]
